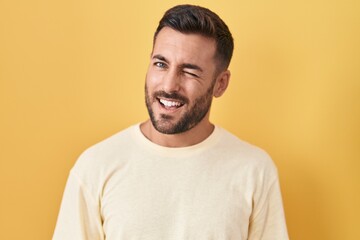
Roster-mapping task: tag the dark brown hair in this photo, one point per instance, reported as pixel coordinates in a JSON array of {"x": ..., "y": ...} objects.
[{"x": 195, "y": 19}]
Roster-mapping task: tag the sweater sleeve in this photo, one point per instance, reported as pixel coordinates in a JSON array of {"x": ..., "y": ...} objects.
[
  {"x": 79, "y": 217},
  {"x": 268, "y": 220}
]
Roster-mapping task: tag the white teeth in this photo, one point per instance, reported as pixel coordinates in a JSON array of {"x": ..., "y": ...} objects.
[{"x": 170, "y": 103}]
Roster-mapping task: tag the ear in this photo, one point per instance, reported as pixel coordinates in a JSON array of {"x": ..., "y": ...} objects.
[{"x": 222, "y": 82}]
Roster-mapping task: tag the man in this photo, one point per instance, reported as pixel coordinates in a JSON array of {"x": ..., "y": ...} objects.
[{"x": 176, "y": 176}]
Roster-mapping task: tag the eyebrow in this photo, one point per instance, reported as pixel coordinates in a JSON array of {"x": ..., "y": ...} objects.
[
  {"x": 160, "y": 57},
  {"x": 182, "y": 66}
]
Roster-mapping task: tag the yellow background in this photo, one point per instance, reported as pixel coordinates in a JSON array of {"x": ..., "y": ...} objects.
[{"x": 72, "y": 73}]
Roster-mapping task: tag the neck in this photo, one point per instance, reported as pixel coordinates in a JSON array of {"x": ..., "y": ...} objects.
[{"x": 193, "y": 136}]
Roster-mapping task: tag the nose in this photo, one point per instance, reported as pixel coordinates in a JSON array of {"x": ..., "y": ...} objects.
[{"x": 171, "y": 81}]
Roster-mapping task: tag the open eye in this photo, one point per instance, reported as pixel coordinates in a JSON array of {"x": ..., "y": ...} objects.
[{"x": 160, "y": 64}]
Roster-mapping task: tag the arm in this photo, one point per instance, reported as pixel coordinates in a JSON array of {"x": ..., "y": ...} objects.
[
  {"x": 268, "y": 219},
  {"x": 79, "y": 216}
]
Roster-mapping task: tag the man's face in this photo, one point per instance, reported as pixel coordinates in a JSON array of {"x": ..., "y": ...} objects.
[{"x": 180, "y": 81}]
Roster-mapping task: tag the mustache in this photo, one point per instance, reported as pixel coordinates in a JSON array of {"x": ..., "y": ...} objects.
[{"x": 172, "y": 95}]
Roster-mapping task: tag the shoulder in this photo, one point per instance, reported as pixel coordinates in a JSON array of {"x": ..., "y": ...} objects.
[
  {"x": 247, "y": 155},
  {"x": 105, "y": 154},
  {"x": 97, "y": 163}
]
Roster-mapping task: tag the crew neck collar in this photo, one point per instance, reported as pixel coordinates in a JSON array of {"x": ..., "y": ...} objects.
[{"x": 212, "y": 139}]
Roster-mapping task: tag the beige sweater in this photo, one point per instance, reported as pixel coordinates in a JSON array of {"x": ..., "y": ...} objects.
[{"x": 127, "y": 187}]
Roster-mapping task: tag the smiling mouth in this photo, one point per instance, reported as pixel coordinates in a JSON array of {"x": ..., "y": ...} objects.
[{"x": 170, "y": 104}]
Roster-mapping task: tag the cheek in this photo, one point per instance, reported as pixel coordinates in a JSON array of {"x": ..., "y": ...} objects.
[
  {"x": 153, "y": 78},
  {"x": 194, "y": 89}
]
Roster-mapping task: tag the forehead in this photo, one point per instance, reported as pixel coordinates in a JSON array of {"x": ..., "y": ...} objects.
[{"x": 191, "y": 48}]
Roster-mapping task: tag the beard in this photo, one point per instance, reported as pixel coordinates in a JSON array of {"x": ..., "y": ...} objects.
[{"x": 188, "y": 120}]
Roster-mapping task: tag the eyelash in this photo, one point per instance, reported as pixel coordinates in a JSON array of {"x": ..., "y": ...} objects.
[
  {"x": 160, "y": 64},
  {"x": 191, "y": 74}
]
